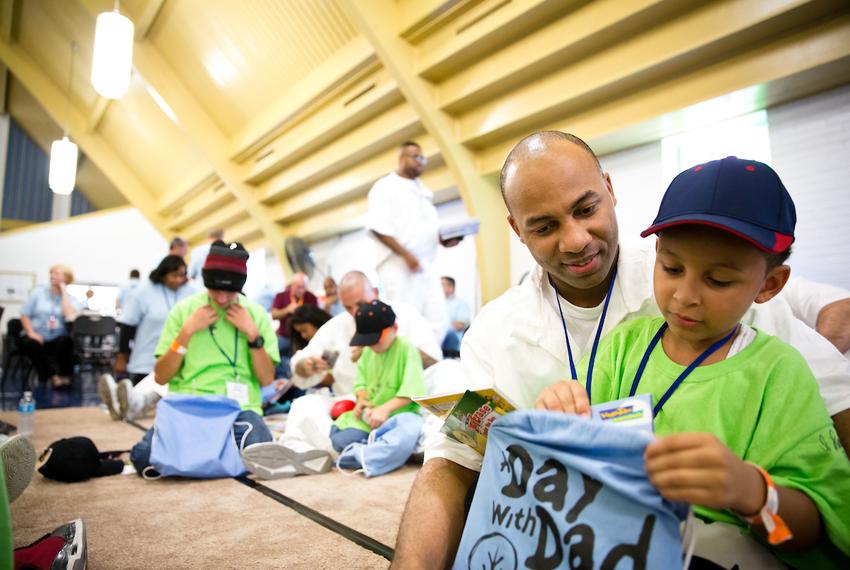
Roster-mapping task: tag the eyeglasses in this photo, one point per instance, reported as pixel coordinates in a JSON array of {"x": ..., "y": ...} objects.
[{"x": 418, "y": 158}]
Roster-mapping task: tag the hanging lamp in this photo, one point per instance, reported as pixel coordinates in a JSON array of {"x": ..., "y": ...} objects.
[
  {"x": 62, "y": 176},
  {"x": 112, "y": 60}
]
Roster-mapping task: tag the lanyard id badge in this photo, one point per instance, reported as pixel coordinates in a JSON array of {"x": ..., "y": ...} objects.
[{"x": 238, "y": 391}]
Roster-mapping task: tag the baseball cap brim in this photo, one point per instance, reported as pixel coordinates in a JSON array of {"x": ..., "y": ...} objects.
[
  {"x": 109, "y": 467},
  {"x": 766, "y": 240},
  {"x": 365, "y": 339}
]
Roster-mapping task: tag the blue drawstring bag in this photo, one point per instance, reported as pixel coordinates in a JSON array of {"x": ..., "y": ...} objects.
[
  {"x": 388, "y": 448},
  {"x": 559, "y": 491},
  {"x": 193, "y": 437}
]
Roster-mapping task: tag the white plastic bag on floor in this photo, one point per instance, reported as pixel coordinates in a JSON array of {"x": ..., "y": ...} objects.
[{"x": 309, "y": 421}]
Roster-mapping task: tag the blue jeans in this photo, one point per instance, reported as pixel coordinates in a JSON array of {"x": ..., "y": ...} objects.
[
  {"x": 284, "y": 346},
  {"x": 341, "y": 438},
  {"x": 140, "y": 455}
]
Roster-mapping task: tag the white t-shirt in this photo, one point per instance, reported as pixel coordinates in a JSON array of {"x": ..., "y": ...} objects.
[
  {"x": 335, "y": 335},
  {"x": 403, "y": 209}
]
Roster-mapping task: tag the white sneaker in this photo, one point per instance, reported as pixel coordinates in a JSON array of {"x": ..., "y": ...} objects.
[
  {"x": 138, "y": 403},
  {"x": 123, "y": 395},
  {"x": 107, "y": 390},
  {"x": 274, "y": 461},
  {"x": 18, "y": 457}
]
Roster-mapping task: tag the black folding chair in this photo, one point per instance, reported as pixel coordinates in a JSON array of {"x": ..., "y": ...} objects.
[
  {"x": 15, "y": 362},
  {"x": 95, "y": 341}
]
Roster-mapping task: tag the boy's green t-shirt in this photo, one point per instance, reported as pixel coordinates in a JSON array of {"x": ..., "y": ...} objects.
[
  {"x": 763, "y": 403},
  {"x": 205, "y": 370},
  {"x": 397, "y": 373}
]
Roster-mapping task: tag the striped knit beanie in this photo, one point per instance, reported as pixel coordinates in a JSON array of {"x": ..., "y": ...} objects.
[{"x": 226, "y": 267}]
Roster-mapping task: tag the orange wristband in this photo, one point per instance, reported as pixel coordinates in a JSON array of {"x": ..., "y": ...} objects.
[
  {"x": 178, "y": 348},
  {"x": 777, "y": 531}
]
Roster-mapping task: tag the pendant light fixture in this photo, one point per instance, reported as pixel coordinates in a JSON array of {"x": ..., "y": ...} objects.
[
  {"x": 63, "y": 153},
  {"x": 113, "y": 54}
]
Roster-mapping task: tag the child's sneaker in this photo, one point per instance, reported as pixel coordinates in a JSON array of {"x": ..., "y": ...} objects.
[
  {"x": 135, "y": 403},
  {"x": 107, "y": 390},
  {"x": 18, "y": 456},
  {"x": 64, "y": 548},
  {"x": 274, "y": 461}
]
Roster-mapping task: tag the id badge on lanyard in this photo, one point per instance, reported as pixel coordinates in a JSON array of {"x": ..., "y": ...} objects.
[{"x": 238, "y": 391}]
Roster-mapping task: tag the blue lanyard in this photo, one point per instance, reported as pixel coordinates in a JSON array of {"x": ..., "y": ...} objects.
[
  {"x": 676, "y": 383},
  {"x": 598, "y": 331},
  {"x": 235, "y": 349}
]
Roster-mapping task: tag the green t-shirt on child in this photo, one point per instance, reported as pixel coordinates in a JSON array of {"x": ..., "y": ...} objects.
[
  {"x": 763, "y": 403},
  {"x": 397, "y": 373},
  {"x": 205, "y": 370}
]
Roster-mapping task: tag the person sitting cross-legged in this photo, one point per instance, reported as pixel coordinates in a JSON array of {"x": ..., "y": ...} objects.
[{"x": 218, "y": 342}]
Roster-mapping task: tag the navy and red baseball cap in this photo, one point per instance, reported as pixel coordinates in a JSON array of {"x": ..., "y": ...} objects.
[
  {"x": 371, "y": 320},
  {"x": 743, "y": 197}
]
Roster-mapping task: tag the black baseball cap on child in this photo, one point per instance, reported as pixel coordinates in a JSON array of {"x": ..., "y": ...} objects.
[
  {"x": 743, "y": 197},
  {"x": 371, "y": 320}
]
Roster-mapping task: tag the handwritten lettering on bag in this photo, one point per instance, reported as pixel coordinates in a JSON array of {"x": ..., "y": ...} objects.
[{"x": 549, "y": 485}]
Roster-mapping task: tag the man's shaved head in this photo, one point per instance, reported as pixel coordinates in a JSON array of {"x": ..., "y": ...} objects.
[
  {"x": 536, "y": 144},
  {"x": 355, "y": 288}
]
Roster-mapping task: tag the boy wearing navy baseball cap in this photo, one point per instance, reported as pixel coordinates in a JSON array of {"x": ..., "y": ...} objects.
[{"x": 743, "y": 432}]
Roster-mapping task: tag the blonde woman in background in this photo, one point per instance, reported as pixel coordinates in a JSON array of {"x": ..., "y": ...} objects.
[{"x": 46, "y": 339}]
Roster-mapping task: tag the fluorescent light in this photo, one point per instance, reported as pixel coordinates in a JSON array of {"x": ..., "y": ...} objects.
[
  {"x": 113, "y": 55},
  {"x": 63, "y": 166}
]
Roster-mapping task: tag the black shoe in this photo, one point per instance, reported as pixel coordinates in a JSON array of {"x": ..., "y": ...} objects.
[{"x": 66, "y": 545}]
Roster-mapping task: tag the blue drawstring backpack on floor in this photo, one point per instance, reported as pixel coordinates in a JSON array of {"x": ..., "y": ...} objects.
[
  {"x": 559, "y": 491},
  {"x": 193, "y": 437},
  {"x": 388, "y": 448}
]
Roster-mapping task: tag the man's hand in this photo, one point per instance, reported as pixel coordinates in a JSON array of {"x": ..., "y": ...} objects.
[
  {"x": 698, "y": 468},
  {"x": 203, "y": 317},
  {"x": 567, "y": 396},
  {"x": 311, "y": 365},
  {"x": 378, "y": 416},
  {"x": 36, "y": 337},
  {"x": 356, "y": 351},
  {"x": 120, "y": 363},
  {"x": 240, "y": 318},
  {"x": 412, "y": 262}
]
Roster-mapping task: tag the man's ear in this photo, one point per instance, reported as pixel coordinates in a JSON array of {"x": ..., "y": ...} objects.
[
  {"x": 610, "y": 186},
  {"x": 773, "y": 283},
  {"x": 515, "y": 227}
]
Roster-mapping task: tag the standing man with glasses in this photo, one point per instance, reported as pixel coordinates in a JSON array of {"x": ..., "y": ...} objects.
[{"x": 403, "y": 220}]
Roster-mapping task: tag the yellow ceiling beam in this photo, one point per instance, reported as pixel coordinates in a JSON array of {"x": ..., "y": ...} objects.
[
  {"x": 219, "y": 218},
  {"x": 585, "y": 30},
  {"x": 420, "y": 18},
  {"x": 362, "y": 102},
  {"x": 356, "y": 58},
  {"x": 380, "y": 22},
  {"x": 144, "y": 20},
  {"x": 772, "y": 67},
  {"x": 676, "y": 47},
  {"x": 386, "y": 131},
  {"x": 54, "y": 101},
  {"x": 482, "y": 31},
  {"x": 349, "y": 184}
]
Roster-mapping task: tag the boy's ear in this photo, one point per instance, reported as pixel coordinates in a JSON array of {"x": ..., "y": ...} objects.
[{"x": 773, "y": 283}]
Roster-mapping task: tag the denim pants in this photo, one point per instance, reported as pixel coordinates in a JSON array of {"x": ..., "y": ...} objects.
[
  {"x": 140, "y": 455},
  {"x": 341, "y": 438}
]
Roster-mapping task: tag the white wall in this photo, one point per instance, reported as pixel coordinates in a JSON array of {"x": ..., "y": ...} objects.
[
  {"x": 101, "y": 248},
  {"x": 810, "y": 144}
]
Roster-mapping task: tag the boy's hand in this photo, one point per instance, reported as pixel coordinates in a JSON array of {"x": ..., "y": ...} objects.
[
  {"x": 240, "y": 318},
  {"x": 698, "y": 468},
  {"x": 378, "y": 416},
  {"x": 359, "y": 407},
  {"x": 566, "y": 396},
  {"x": 203, "y": 317}
]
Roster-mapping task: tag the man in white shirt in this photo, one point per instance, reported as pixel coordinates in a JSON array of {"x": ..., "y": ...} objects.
[
  {"x": 403, "y": 220},
  {"x": 333, "y": 338},
  {"x": 561, "y": 205}
]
